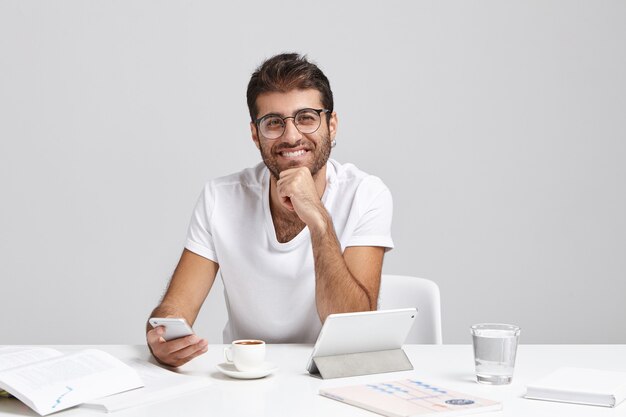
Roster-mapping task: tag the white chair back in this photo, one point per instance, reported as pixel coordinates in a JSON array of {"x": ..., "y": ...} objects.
[{"x": 398, "y": 291}]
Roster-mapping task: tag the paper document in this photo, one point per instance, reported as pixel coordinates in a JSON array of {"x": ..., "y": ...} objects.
[{"x": 159, "y": 385}]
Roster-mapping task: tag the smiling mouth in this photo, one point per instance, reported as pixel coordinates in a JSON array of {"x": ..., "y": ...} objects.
[{"x": 293, "y": 154}]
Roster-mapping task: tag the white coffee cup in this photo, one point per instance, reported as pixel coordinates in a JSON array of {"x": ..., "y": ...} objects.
[{"x": 246, "y": 354}]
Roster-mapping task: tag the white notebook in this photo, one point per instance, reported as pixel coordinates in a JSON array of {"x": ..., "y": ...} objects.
[{"x": 580, "y": 386}]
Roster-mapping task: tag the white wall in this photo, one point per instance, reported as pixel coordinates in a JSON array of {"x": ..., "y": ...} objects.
[{"x": 498, "y": 125}]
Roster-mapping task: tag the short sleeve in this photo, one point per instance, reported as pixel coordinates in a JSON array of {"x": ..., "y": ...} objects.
[
  {"x": 375, "y": 208},
  {"x": 199, "y": 235}
]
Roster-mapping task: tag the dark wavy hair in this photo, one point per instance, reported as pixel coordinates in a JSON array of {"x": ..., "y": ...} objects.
[{"x": 286, "y": 72}]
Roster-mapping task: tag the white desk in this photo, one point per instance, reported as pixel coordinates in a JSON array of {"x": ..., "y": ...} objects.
[{"x": 292, "y": 392}]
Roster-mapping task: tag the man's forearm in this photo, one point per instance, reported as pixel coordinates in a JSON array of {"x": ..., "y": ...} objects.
[{"x": 336, "y": 289}]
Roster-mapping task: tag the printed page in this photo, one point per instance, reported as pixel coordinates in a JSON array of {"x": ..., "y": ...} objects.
[
  {"x": 159, "y": 385},
  {"x": 13, "y": 356},
  {"x": 58, "y": 383}
]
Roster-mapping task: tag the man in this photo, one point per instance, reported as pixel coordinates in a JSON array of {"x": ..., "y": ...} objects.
[{"x": 296, "y": 238}]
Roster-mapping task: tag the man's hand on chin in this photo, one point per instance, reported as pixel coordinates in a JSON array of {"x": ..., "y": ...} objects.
[{"x": 297, "y": 191}]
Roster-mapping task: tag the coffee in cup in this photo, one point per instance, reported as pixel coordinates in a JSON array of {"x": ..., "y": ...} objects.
[{"x": 246, "y": 355}]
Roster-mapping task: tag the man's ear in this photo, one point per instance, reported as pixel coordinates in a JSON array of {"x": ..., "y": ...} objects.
[
  {"x": 332, "y": 125},
  {"x": 255, "y": 134}
]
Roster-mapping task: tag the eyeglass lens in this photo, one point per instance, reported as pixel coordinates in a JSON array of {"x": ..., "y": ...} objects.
[{"x": 306, "y": 121}]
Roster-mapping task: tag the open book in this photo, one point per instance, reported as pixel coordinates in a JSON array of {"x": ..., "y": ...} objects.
[
  {"x": 48, "y": 381},
  {"x": 410, "y": 397}
]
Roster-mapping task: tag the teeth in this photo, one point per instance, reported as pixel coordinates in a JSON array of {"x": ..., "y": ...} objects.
[{"x": 292, "y": 154}]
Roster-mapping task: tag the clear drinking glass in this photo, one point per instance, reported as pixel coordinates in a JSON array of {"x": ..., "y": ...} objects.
[{"x": 495, "y": 346}]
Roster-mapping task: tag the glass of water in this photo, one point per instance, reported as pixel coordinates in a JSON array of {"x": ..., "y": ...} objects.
[{"x": 495, "y": 346}]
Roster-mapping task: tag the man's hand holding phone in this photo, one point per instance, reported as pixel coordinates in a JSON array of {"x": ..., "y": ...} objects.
[{"x": 173, "y": 342}]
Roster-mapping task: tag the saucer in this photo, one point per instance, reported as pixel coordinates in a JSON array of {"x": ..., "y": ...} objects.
[{"x": 264, "y": 370}]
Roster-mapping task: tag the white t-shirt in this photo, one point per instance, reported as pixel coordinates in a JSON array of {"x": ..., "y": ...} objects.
[{"x": 270, "y": 286}]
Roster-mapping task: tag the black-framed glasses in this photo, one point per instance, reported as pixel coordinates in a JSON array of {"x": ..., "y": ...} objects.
[{"x": 307, "y": 121}]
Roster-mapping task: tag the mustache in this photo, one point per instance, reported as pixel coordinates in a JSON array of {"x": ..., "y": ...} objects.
[{"x": 283, "y": 146}]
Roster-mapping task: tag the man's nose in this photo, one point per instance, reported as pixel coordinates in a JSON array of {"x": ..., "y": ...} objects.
[{"x": 291, "y": 133}]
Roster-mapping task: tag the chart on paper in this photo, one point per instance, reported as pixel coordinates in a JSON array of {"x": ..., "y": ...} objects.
[{"x": 409, "y": 397}]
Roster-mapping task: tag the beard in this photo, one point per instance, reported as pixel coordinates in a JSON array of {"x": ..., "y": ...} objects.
[{"x": 321, "y": 153}]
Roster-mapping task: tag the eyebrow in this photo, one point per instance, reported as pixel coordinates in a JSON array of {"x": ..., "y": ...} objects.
[{"x": 282, "y": 115}]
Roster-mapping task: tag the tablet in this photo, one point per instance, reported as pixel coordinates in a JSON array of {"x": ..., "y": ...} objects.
[{"x": 367, "y": 331}]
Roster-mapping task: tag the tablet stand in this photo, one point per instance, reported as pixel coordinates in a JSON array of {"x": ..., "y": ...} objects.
[{"x": 364, "y": 363}]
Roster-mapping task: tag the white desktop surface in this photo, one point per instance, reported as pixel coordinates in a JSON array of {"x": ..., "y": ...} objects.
[{"x": 292, "y": 392}]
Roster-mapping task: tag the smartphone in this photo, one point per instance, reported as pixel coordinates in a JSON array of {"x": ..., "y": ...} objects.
[{"x": 174, "y": 327}]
